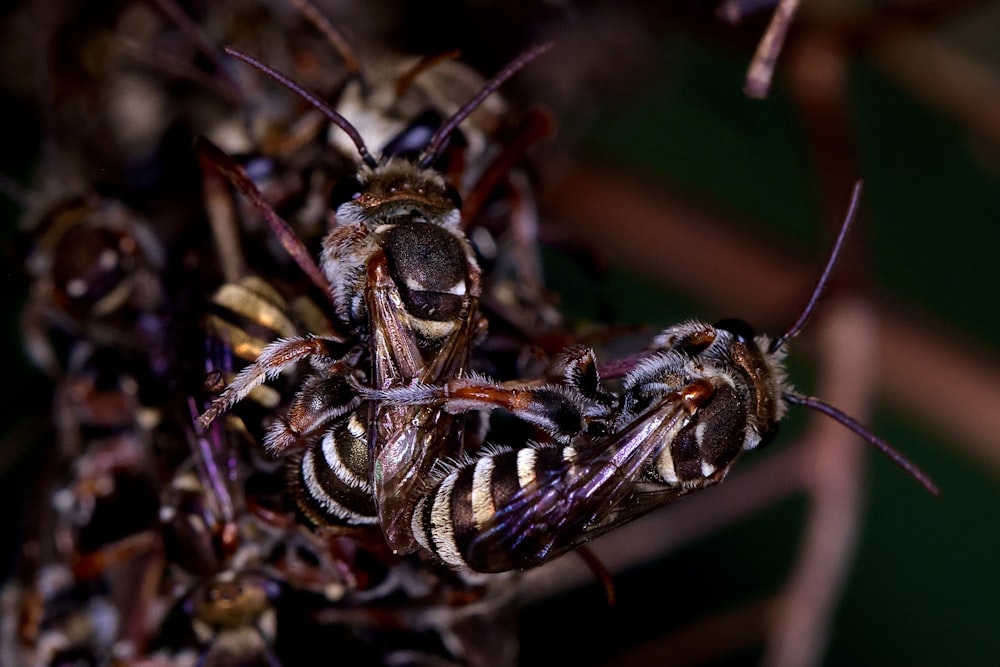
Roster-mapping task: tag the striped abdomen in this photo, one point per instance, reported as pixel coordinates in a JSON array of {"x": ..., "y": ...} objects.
[
  {"x": 490, "y": 515},
  {"x": 520, "y": 508},
  {"x": 330, "y": 479}
]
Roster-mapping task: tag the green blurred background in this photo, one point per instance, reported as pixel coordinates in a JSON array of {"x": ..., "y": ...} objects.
[{"x": 924, "y": 588}]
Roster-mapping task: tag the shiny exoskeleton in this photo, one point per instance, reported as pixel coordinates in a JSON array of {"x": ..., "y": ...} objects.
[
  {"x": 700, "y": 397},
  {"x": 161, "y": 542},
  {"x": 180, "y": 542},
  {"x": 684, "y": 414},
  {"x": 403, "y": 277}
]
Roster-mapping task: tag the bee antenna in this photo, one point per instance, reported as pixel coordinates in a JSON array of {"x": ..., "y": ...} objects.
[
  {"x": 312, "y": 99},
  {"x": 437, "y": 142},
  {"x": 824, "y": 279},
  {"x": 860, "y": 430}
]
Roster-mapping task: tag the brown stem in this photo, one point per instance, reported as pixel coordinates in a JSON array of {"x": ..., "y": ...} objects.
[{"x": 833, "y": 473}]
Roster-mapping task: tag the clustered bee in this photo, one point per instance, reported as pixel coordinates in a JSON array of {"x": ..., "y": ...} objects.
[
  {"x": 275, "y": 423},
  {"x": 214, "y": 556}
]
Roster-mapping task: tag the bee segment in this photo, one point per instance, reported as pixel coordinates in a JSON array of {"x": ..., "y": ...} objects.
[
  {"x": 430, "y": 269},
  {"x": 463, "y": 516},
  {"x": 332, "y": 483},
  {"x": 482, "y": 494},
  {"x": 526, "y": 466},
  {"x": 321, "y": 502},
  {"x": 248, "y": 315},
  {"x": 356, "y": 427},
  {"x": 420, "y": 523},
  {"x": 506, "y": 481},
  {"x": 713, "y": 438},
  {"x": 442, "y": 528},
  {"x": 348, "y": 460}
]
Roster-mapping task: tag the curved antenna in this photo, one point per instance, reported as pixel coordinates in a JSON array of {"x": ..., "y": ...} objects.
[
  {"x": 312, "y": 99},
  {"x": 860, "y": 430},
  {"x": 437, "y": 142},
  {"x": 824, "y": 279}
]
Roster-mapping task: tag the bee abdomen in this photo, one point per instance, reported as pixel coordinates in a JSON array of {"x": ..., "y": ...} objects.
[
  {"x": 331, "y": 479},
  {"x": 471, "y": 518}
]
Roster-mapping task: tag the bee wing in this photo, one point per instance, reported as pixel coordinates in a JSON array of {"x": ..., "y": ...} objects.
[
  {"x": 406, "y": 441},
  {"x": 565, "y": 496},
  {"x": 397, "y": 356}
]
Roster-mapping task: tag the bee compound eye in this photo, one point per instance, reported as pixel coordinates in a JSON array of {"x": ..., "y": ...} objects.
[
  {"x": 768, "y": 435},
  {"x": 451, "y": 193},
  {"x": 414, "y": 137},
  {"x": 345, "y": 190},
  {"x": 743, "y": 331}
]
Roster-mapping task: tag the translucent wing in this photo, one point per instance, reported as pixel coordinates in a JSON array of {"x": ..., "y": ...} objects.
[
  {"x": 406, "y": 441},
  {"x": 550, "y": 499}
]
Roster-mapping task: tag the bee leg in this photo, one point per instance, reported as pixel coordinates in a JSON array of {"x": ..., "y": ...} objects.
[
  {"x": 560, "y": 411},
  {"x": 577, "y": 368},
  {"x": 275, "y": 358},
  {"x": 572, "y": 404},
  {"x": 321, "y": 400}
]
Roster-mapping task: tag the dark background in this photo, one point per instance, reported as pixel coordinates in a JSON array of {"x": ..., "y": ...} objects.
[{"x": 653, "y": 96}]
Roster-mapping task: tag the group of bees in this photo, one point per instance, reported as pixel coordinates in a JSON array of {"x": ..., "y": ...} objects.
[{"x": 314, "y": 393}]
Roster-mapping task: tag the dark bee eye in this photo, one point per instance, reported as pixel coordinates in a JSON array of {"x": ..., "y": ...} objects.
[
  {"x": 768, "y": 435},
  {"x": 415, "y": 137},
  {"x": 743, "y": 331},
  {"x": 347, "y": 189},
  {"x": 452, "y": 194}
]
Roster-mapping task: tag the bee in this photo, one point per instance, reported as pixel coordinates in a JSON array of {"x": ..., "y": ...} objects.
[
  {"x": 701, "y": 396},
  {"x": 101, "y": 283},
  {"x": 404, "y": 278},
  {"x": 234, "y": 620},
  {"x": 95, "y": 267},
  {"x": 217, "y": 600}
]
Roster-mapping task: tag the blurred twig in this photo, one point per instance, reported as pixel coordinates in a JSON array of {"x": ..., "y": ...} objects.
[
  {"x": 943, "y": 78},
  {"x": 905, "y": 41},
  {"x": 833, "y": 473},
  {"x": 761, "y": 71},
  {"x": 707, "y": 639}
]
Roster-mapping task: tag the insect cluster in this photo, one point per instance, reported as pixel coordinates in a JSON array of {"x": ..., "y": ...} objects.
[{"x": 283, "y": 396}]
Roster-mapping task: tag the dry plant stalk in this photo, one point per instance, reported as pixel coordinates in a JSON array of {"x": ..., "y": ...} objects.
[
  {"x": 757, "y": 83},
  {"x": 832, "y": 475}
]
